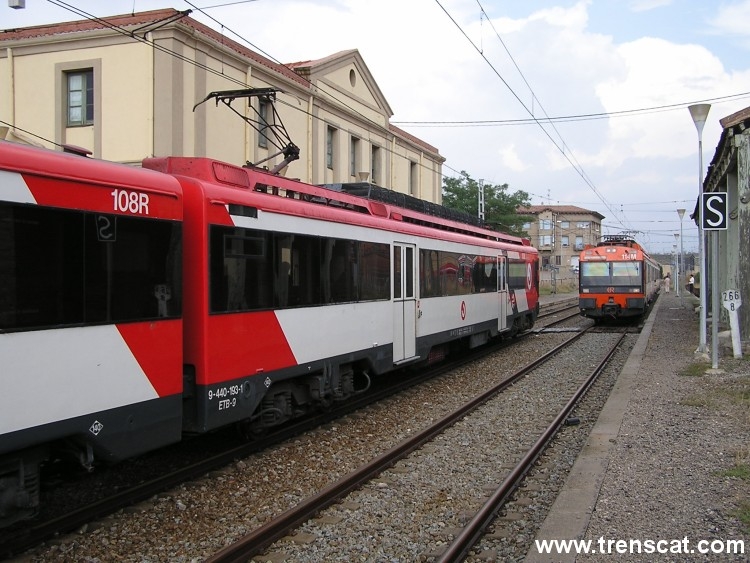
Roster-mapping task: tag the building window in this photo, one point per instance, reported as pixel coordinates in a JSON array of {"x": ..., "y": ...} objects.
[
  {"x": 80, "y": 98},
  {"x": 565, "y": 240},
  {"x": 413, "y": 179},
  {"x": 582, "y": 224},
  {"x": 565, "y": 224},
  {"x": 375, "y": 165},
  {"x": 330, "y": 141},
  {"x": 263, "y": 112},
  {"x": 545, "y": 240},
  {"x": 545, "y": 224},
  {"x": 579, "y": 243},
  {"x": 353, "y": 150},
  {"x": 526, "y": 227}
]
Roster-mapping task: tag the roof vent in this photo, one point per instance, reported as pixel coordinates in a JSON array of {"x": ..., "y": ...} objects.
[{"x": 73, "y": 149}]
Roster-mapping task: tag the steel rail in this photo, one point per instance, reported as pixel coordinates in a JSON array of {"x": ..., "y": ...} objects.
[
  {"x": 260, "y": 538},
  {"x": 17, "y": 541},
  {"x": 474, "y": 530}
]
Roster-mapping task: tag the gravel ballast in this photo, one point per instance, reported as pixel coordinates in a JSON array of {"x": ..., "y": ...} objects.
[
  {"x": 669, "y": 472},
  {"x": 673, "y": 474}
]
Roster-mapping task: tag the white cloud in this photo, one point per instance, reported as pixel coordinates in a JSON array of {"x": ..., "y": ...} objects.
[
  {"x": 732, "y": 18},
  {"x": 510, "y": 158},
  {"x": 646, "y": 5}
]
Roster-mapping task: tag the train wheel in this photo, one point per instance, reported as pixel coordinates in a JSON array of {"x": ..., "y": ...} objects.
[
  {"x": 514, "y": 329},
  {"x": 250, "y": 431}
]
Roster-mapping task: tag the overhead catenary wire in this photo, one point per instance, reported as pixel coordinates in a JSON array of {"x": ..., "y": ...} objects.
[
  {"x": 562, "y": 147},
  {"x": 538, "y": 121}
]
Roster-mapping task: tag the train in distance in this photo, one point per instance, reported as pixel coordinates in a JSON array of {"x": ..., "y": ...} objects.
[{"x": 617, "y": 279}]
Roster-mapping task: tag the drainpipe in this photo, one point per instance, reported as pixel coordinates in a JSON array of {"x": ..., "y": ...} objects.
[{"x": 11, "y": 66}]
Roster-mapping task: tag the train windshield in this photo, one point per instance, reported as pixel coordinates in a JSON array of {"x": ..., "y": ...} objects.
[
  {"x": 626, "y": 273},
  {"x": 610, "y": 273}
]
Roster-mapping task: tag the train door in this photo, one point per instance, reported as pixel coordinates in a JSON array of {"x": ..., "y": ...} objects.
[
  {"x": 502, "y": 293},
  {"x": 404, "y": 303}
]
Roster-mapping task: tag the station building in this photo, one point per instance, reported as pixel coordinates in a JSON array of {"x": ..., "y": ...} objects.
[
  {"x": 729, "y": 171},
  {"x": 126, "y": 88}
]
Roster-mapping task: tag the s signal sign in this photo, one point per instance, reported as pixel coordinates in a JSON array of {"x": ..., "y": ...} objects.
[{"x": 714, "y": 211}]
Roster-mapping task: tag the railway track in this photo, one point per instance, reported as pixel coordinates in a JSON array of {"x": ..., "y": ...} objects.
[
  {"x": 223, "y": 449},
  {"x": 295, "y": 519}
]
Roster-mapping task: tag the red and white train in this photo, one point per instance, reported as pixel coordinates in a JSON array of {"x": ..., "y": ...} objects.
[{"x": 143, "y": 304}]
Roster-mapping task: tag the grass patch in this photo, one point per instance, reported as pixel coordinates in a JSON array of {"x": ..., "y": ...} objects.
[
  {"x": 695, "y": 369},
  {"x": 739, "y": 397},
  {"x": 741, "y": 471},
  {"x": 696, "y": 401},
  {"x": 561, "y": 288},
  {"x": 743, "y": 514}
]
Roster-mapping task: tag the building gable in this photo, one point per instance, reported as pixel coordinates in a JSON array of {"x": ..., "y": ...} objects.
[{"x": 345, "y": 79}]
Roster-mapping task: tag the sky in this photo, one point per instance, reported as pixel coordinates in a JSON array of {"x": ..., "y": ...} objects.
[{"x": 576, "y": 102}]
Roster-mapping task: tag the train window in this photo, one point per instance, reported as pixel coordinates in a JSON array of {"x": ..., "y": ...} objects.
[
  {"x": 305, "y": 289},
  {"x": 134, "y": 271},
  {"x": 240, "y": 277},
  {"x": 63, "y": 267},
  {"x": 409, "y": 270},
  {"x": 428, "y": 273},
  {"x": 516, "y": 274},
  {"x": 396, "y": 271},
  {"x": 242, "y": 246},
  {"x": 339, "y": 270},
  {"x": 374, "y": 271},
  {"x": 251, "y": 270},
  {"x": 485, "y": 274},
  {"x": 594, "y": 274},
  {"x": 626, "y": 273},
  {"x": 450, "y": 273},
  {"x": 243, "y": 210}
]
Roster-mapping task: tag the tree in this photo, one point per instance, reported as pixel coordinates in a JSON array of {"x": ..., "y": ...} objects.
[{"x": 500, "y": 206}]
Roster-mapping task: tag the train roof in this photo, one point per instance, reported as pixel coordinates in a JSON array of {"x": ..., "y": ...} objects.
[
  {"x": 617, "y": 240},
  {"x": 72, "y": 164},
  {"x": 607, "y": 249},
  {"x": 361, "y": 197}
]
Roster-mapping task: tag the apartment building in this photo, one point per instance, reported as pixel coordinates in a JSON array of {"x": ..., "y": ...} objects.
[
  {"x": 126, "y": 88},
  {"x": 560, "y": 232}
]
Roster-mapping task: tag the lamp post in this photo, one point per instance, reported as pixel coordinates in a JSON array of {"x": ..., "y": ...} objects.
[
  {"x": 677, "y": 239},
  {"x": 699, "y": 113},
  {"x": 681, "y": 213}
]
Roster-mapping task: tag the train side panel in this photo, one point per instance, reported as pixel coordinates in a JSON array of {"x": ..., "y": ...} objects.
[
  {"x": 90, "y": 322},
  {"x": 292, "y": 304}
]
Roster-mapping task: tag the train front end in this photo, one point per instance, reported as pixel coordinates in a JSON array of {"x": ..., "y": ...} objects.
[
  {"x": 612, "y": 282},
  {"x": 90, "y": 322}
]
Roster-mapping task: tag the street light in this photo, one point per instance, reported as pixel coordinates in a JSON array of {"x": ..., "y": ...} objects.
[
  {"x": 677, "y": 238},
  {"x": 681, "y": 213},
  {"x": 699, "y": 113}
]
